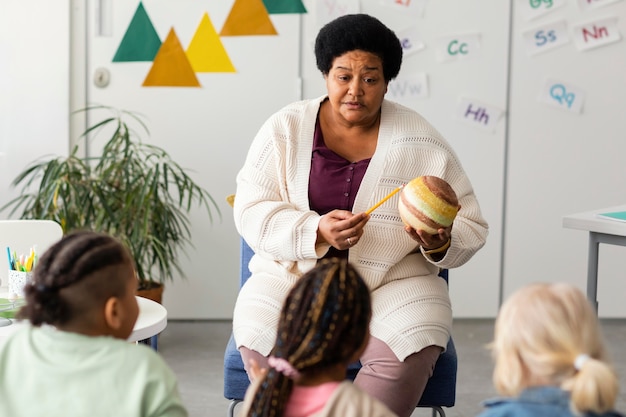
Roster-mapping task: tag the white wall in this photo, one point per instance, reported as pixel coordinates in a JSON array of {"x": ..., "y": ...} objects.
[
  {"x": 34, "y": 89},
  {"x": 34, "y": 84},
  {"x": 538, "y": 165},
  {"x": 209, "y": 129}
]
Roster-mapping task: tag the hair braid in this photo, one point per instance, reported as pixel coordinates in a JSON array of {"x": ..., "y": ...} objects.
[
  {"x": 74, "y": 258},
  {"x": 324, "y": 321}
]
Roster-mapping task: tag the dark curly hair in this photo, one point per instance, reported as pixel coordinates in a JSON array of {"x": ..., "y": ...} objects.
[
  {"x": 358, "y": 31},
  {"x": 77, "y": 274}
]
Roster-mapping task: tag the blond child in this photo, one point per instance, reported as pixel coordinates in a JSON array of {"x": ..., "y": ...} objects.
[
  {"x": 73, "y": 359},
  {"x": 550, "y": 357}
]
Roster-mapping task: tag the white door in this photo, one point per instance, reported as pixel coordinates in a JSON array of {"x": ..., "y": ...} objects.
[{"x": 206, "y": 128}]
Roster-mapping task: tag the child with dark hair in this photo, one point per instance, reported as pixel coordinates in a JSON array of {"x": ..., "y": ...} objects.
[
  {"x": 323, "y": 327},
  {"x": 73, "y": 360}
]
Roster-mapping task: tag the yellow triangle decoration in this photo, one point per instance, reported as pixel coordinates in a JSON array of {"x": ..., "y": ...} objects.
[
  {"x": 170, "y": 67},
  {"x": 206, "y": 52},
  {"x": 248, "y": 17}
]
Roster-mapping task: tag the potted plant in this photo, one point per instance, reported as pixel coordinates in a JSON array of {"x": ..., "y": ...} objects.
[{"x": 131, "y": 190}]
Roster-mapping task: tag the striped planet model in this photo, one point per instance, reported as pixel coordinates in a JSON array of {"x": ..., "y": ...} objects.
[{"x": 428, "y": 203}]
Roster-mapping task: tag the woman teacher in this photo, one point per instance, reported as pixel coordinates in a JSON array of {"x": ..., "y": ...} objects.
[{"x": 313, "y": 170}]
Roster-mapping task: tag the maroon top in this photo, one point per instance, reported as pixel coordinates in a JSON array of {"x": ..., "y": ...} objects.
[{"x": 333, "y": 181}]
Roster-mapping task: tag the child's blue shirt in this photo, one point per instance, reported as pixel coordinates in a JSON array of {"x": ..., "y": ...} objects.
[{"x": 537, "y": 402}]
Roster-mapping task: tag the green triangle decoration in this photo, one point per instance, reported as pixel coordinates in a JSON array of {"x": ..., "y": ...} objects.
[
  {"x": 141, "y": 41},
  {"x": 284, "y": 6}
]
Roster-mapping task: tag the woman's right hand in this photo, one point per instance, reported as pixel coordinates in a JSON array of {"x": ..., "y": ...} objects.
[
  {"x": 341, "y": 228},
  {"x": 255, "y": 371}
]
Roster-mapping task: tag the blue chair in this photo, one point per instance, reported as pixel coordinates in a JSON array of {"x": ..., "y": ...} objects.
[{"x": 439, "y": 392}]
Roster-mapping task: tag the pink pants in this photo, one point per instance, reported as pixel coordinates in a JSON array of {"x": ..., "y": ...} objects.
[{"x": 399, "y": 385}]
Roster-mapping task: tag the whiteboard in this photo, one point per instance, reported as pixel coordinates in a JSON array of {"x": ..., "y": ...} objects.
[
  {"x": 474, "y": 287},
  {"x": 562, "y": 162}
]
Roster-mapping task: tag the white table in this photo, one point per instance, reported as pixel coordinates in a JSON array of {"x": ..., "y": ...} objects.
[
  {"x": 152, "y": 320},
  {"x": 600, "y": 230}
]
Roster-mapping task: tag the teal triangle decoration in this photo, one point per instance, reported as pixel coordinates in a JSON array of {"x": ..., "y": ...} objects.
[
  {"x": 141, "y": 41},
  {"x": 284, "y": 6}
]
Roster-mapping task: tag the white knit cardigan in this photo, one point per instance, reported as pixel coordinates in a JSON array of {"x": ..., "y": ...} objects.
[{"x": 411, "y": 306}]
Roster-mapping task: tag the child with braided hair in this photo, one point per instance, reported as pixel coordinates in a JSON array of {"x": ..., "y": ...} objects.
[
  {"x": 323, "y": 327},
  {"x": 550, "y": 357},
  {"x": 73, "y": 359}
]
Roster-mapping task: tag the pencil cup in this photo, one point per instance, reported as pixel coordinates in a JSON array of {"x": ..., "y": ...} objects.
[{"x": 17, "y": 281}]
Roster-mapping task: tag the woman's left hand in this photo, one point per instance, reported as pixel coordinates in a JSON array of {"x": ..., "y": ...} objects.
[{"x": 428, "y": 241}]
